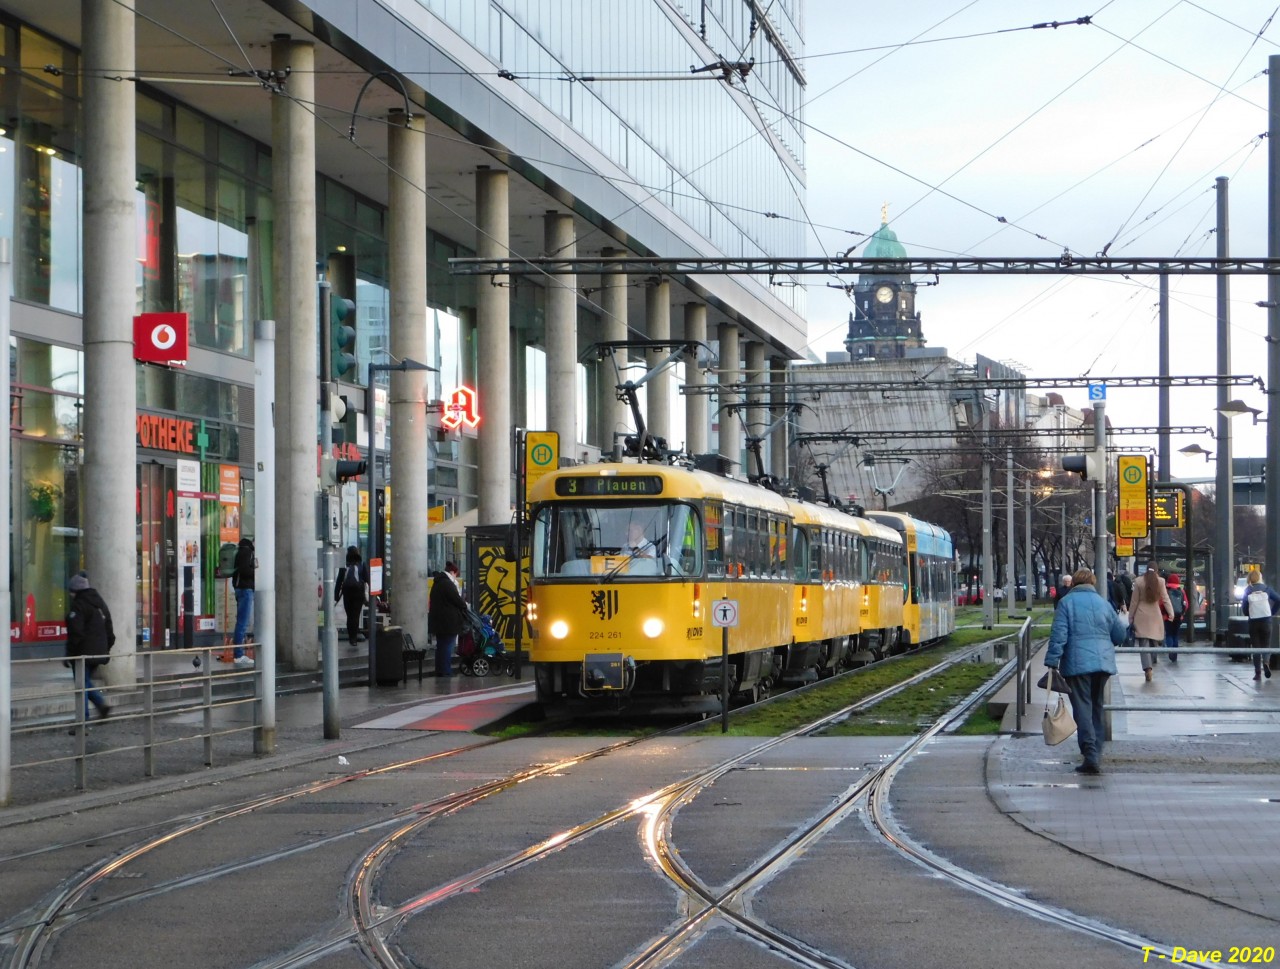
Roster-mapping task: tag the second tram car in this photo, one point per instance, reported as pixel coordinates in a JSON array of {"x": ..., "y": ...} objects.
[{"x": 929, "y": 611}]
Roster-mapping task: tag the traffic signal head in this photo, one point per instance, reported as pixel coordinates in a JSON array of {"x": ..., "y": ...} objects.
[
  {"x": 1085, "y": 465},
  {"x": 342, "y": 337},
  {"x": 334, "y": 471}
]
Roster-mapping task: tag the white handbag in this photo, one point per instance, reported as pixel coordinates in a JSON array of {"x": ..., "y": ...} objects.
[{"x": 1058, "y": 723}]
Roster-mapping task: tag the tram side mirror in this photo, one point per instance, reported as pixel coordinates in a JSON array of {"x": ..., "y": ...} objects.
[{"x": 511, "y": 544}]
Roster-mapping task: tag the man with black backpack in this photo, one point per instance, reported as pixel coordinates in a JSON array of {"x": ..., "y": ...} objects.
[
  {"x": 351, "y": 589},
  {"x": 89, "y": 634},
  {"x": 242, "y": 580}
]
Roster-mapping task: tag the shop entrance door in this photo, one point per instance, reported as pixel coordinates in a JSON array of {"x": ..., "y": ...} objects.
[{"x": 157, "y": 556}]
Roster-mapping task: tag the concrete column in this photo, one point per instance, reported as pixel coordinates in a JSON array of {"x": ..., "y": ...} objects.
[
  {"x": 110, "y": 300},
  {"x": 730, "y": 373},
  {"x": 293, "y": 187},
  {"x": 614, "y": 415},
  {"x": 493, "y": 316},
  {"x": 757, "y": 412},
  {"x": 407, "y": 275},
  {"x": 697, "y": 425},
  {"x": 657, "y": 318},
  {"x": 562, "y": 336},
  {"x": 781, "y": 437}
]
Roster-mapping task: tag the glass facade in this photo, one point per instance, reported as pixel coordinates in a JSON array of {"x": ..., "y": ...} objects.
[
  {"x": 204, "y": 214},
  {"x": 692, "y": 143}
]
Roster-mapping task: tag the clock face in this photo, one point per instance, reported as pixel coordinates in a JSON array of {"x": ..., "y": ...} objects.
[{"x": 884, "y": 294}]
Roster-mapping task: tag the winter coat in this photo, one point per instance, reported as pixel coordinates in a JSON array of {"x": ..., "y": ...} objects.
[
  {"x": 1085, "y": 634},
  {"x": 446, "y": 609},
  {"x": 1272, "y": 595},
  {"x": 1146, "y": 617},
  {"x": 242, "y": 571},
  {"x": 89, "y": 628}
]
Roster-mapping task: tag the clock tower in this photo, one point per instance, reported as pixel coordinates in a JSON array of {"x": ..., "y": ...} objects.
[{"x": 884, "y": 322}]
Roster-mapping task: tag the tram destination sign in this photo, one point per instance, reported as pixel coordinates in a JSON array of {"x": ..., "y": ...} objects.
[{"x": 609, "y": 485}]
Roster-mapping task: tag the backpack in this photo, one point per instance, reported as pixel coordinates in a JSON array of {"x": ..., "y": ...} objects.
[
  {"x": 1259, "y": 604},
  {"x": 1178, "y": 599},
  {"x": 353, "y": 586}
]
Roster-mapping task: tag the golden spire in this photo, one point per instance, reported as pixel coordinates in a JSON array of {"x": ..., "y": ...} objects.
[{"x": 884, "y": 214}]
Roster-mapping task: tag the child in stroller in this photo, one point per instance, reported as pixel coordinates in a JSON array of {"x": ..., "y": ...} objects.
[{"x": 480, "y": 648}]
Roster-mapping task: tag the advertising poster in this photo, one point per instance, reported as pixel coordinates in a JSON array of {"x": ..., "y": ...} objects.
[{"x": 187, "y": 509}]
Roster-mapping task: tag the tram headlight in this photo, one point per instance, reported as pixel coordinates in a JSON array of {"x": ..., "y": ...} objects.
[
  {"x": 559, "y": 629},
  {"x": 652, "y": 627}
]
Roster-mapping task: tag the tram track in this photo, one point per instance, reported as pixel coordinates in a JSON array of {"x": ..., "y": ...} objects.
[
  {"x": 67, "y": 907},
  {"x": 372, "y": 926}
]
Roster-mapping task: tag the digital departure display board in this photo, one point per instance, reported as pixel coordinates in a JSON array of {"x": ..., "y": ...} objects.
[{"x": 609, "y": 486}]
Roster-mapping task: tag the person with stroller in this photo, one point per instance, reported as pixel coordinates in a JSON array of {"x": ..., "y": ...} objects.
[{"x": 446, "y": 616}]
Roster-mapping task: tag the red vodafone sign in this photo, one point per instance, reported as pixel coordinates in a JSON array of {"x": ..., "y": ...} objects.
[{"x": 160, "y": 338}]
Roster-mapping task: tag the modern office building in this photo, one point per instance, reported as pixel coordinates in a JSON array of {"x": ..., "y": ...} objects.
[{"x": 216, "y": 159}]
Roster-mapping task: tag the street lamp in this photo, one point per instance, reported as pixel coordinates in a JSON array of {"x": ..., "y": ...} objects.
[
  {"x": 1237, "y": 407},
  {"x": 1196, "y": 449},
  {"x": 372, "y": 631}
]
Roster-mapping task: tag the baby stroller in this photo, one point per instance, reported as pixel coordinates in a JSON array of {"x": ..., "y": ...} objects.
[{"x": 480, "y": 648}]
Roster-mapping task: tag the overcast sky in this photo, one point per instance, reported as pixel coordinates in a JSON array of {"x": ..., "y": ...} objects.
[{"x": 1081, "y": 137}]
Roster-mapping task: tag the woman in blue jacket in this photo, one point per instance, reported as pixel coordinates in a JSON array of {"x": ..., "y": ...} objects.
[{"x": 1082, "y": 647}]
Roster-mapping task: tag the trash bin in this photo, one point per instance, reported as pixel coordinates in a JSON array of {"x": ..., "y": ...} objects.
[
  {"x": 388, "y": 658},
  {"x": 1238, "y": 636}
]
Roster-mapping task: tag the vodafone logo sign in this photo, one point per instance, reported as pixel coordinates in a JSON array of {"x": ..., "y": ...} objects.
[
  {"x": 160, "y": 338},
  {"x": 163, "y": 337}
]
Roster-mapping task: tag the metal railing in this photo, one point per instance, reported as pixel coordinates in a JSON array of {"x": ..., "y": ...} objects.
[
  {"x": 158, "y": 707},
  {"x": 1022, "y": 674}
]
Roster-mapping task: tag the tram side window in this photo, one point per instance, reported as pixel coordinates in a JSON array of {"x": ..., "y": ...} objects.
[
  {"x": 683, "y": 534},
  {"x": 816, "y": 558},
  {"x": 799, "y": 554},
  {"x": 714, "y": 529},
  {"x": 913, "y": 576}
]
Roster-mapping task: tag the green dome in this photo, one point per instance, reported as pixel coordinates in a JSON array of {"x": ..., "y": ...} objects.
[{"x": 884, "y": 244}]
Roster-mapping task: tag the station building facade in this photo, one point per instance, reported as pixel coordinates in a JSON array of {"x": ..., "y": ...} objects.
[{"x": 216, "y": 160}]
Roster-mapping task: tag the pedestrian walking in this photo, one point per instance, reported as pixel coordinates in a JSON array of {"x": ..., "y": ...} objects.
[
  {"x": 446, "y": 616},
  {"x": 1064, "y": 586},
  {"x": 1082, "y": 647},
  {"x": 90, "y": 634},
  {"x": 351, "y": 588},
  {"x": 1177, "y": 599},
  {"x": 242, "y": 576},
  {"x": 1260, "y": 602},
  {"x": 1148, "y": 606}
]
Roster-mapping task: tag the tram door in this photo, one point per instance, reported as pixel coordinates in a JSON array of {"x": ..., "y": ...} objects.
[{"x": 157, "y": 556}]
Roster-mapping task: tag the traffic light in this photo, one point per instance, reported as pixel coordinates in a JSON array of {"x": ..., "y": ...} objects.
[
  {"x": 1085, "y": 465},
  {"x": 342, "y": 337},
  {"x": 334, "y": 471}
]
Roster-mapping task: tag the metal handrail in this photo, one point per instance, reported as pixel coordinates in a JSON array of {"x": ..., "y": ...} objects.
[{"x": 154, "y": 712}]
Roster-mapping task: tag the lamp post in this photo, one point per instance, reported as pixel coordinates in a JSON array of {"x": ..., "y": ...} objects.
[{"x": 374, "y": 522}]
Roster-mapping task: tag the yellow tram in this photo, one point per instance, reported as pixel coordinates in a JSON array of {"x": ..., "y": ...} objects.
[{"x": 627, "y": 560}]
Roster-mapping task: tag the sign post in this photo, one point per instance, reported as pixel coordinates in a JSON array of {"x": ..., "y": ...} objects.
[
  {"x": 1132, "y": 515},
  {"x": 724, "y": 614}
]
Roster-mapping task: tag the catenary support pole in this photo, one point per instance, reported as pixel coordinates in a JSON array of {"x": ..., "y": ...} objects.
[
  {"x": 1271, "y": 554},
  {"x": 1163, "y": 471},
  {"x": 329, "y": 506},
  {"x": 264, "y": 514},
  {"x": 1223, "y": 574},
  {"x": 1100, "y": 496},
  {"x": 6, "y": 649},
  {"x": 1010, "y": 583}
]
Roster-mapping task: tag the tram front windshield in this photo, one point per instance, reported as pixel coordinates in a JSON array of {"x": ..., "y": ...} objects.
[{"x": 616, "y": 540}]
